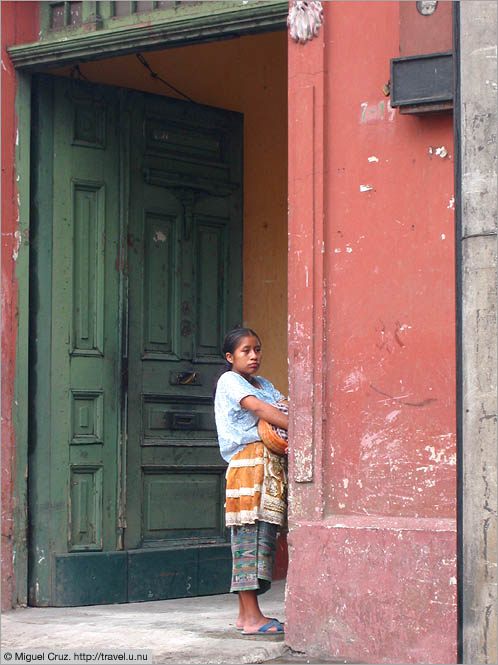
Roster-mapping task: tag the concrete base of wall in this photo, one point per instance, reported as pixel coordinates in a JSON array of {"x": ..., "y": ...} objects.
[{"x": 383, "y": 590}]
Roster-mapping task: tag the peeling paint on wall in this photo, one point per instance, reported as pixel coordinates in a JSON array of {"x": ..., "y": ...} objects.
[
  {"x": 392, "y": 415},
  {"x": 441, "y": 456},
  {"x": 438, "y": 152},
  {"x": 17, "y": 245},
  {"x": 354, "y": 380}
]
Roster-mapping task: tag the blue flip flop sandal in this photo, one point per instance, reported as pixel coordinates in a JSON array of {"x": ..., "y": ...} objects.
[
  {"x": 241, "y": 630},
  {"x": 265, "y": 631}
]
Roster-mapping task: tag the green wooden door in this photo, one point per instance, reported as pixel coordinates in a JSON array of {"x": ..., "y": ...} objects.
[
  {"x": 136, "y": 276},
  {"x": 75, "y": 437},
  {"x": 184, "y": 272}
]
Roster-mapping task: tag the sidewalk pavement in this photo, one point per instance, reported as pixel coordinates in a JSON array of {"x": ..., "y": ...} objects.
[{"x": 180, "y": 631}]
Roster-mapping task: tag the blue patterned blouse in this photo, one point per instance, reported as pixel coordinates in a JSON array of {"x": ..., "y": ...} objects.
[{"x": 238, "y": 426}]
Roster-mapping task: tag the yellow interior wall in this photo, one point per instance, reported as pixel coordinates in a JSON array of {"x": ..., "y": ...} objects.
[{"x": 248, "y": 75}]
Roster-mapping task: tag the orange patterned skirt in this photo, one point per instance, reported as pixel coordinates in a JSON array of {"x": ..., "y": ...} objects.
[{"x": 256, "y": 487}]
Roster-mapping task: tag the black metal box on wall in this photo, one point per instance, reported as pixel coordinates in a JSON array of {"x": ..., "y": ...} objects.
[{"x": 422, "y": 83}]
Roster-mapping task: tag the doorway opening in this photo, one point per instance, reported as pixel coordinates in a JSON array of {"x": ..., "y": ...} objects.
[{"x": 114, "y": 526}]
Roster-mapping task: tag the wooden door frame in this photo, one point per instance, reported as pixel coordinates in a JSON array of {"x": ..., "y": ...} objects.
[{"x": 37, "y": 58}]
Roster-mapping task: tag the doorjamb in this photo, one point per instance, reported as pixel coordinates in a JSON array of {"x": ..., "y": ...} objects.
[{"x": 20, "y": 402}]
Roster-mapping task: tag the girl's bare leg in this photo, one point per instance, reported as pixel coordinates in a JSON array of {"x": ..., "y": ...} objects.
[
  {"x": 241, "y": 617},
  {"x": 249, "y": 613}
]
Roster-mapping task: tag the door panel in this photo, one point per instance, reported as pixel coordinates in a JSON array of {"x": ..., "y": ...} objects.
[
  {"x": 184, "y": 291},
  {"x": 85, "y": 395},
  {"x": 161, "y": 286},
  {"x": 210, "y": 251},
  {"x": 165, "y": 489},
  {"x": 74, "y": 439}
]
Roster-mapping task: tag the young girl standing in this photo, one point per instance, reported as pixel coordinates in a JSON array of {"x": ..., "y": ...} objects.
[{"x": 256, "y": 477}]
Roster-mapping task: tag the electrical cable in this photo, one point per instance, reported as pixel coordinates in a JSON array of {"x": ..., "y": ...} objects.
[{"x": 155, "y": 75}]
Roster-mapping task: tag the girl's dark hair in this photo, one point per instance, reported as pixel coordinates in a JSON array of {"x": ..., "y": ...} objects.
[
  {"x": 230, "y": 343},
  {"x": 232, "y": 339}
]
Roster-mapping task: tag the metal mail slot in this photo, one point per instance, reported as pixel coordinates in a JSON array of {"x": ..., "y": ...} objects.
[{"x": 184, "y": 421}]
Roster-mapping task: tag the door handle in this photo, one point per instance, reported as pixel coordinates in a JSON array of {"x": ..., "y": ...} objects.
[
  {"x": 188, "y": 378},
  {"x": 184, "y": 378}
]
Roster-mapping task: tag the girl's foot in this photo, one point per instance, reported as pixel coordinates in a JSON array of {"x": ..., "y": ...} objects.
[
  {"x": 276, "y": 629},
  {"x": 240, "y": 623}
]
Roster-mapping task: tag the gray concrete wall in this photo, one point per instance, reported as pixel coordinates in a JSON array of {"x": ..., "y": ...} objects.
[{"x": 478, "y": 40}]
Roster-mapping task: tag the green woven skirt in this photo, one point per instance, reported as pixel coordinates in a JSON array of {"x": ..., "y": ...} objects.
[{"x": 253, "y": 556}]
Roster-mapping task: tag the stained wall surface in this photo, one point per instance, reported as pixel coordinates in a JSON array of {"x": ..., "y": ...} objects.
[{"x": 372, "y": 573}]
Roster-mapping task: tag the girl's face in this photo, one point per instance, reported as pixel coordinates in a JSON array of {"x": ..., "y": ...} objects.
[{"x": 246, "y": 358}]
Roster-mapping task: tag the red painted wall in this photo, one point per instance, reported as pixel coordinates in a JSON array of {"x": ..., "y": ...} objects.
[
  {"x": 20, "y": 21},
  {"x": 420, "y": 34},
  {"x": 372, "y": 572}
]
